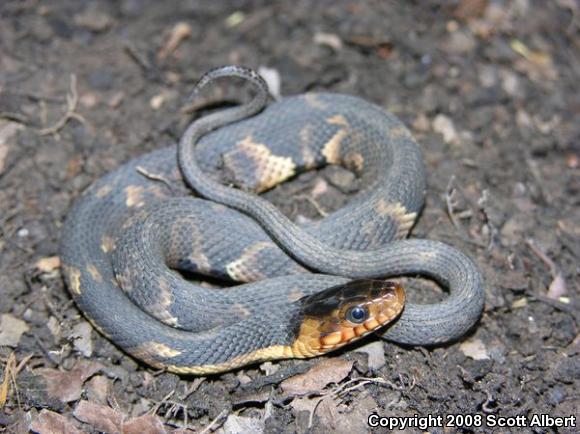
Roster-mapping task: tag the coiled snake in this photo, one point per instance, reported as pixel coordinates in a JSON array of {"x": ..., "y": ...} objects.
[{"x": 127, "y": 236}]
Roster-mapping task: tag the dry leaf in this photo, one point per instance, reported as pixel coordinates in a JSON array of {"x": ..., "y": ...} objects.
[
  {"x": 101, "y": 418},
  {"x": 11, "y": 329},
  {"x": 146, "y": 424},
  {"x": 376, "y": 354},
  {"x": 49, "y": 422},
  {"x": 317, "y": 378},
  {"x": 474, "y": 349},
  {"x": 67, "y": 386},
  {"x": 98, "y": 388},
  {"x": 557, "y": 288}
]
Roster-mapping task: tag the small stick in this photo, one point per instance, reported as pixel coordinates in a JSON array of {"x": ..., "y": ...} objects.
[{"x": 72, "y": 100}]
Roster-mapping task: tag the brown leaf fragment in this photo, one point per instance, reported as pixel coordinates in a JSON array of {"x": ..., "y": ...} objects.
[
  {"x": 102, "y": 418},
  {"x": 67, "y": 386},
  {"x": 317, "y": 378},
  {"x": 146, "y": 424},
  {"x": 49, "y": 422},
  {"x": 469, "y": 9},
  {"x": 98, "y": 389},
  {"x": 376, "y": 354}
]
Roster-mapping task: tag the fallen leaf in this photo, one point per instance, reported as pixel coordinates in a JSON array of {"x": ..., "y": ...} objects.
[
  {"x": 67, "y": 386},
  {"x": 376, "y": 354},
  {"x": 48, "y": 264},
  {"x": 11, "y": 329},
  {"x": 304, "y": 409},
  {"x": 557, "y": 288},
  {"x": 317, "y": 378},
  {"x": 474, "y": 349},
  {"x": 98, "y": 388},
  {"x": 49, "y": 422},
  {"x": 146, "y": 424},
  {"x": 101, "y": 418}
]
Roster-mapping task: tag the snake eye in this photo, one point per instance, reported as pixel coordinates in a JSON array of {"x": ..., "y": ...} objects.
[{"x": 357, "y": 314}]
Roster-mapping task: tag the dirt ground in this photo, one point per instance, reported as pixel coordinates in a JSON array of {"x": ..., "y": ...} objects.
[{"x": 488, "y": 88}]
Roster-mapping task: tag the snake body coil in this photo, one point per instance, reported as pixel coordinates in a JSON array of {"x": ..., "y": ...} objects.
[{"x": 129, "y": 232}]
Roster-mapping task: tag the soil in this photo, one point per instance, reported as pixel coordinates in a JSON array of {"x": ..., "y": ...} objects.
[{"x": 488, "y": 88}]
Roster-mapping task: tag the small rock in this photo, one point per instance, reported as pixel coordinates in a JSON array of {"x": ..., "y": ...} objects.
[
  {"x": 272, "y": 78},
  {"x": 239, "y": 424},
  {"x": 83, "y": 342},
  {"x": 11, "y": 329},
  {"x": 94, "y": 20},
  {"x": 329, "y": 39},
  {"x": 342, "y": 179},
  {"x": 474, "y": 349},
  {"x": 460, "y": 42},
  {"x": 444, "y": 126},
  {"x": 421, "y": 123},
  {"x": 48, "y": 264}
]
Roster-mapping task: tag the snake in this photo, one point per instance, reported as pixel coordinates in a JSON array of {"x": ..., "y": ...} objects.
[{"x": 144, "y": 247}]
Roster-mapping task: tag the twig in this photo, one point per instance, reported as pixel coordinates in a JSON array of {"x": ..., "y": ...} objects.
[
  {"x": 557, "y": 287},
  {"x": 72, "y": 100},
  {"x": 558, "y": 305},
  {"x": 450, "y": 201},
  {"x": 214, "y": 422},
  {"x": 15, "y": 117},
  {"x": 314, "y": 203},
  {"x": 153, "y": 176},
  {"x": 140, "y": 60}
]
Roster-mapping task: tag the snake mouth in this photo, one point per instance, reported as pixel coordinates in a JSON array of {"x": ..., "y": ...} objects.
[{"x": 345, "y": 313}]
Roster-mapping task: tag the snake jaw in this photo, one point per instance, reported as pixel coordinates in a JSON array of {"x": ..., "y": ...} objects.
[{"x": 325, "y": 326}]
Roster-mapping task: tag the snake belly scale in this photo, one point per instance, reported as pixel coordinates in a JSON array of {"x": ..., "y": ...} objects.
[{"x": 131, "y": 239}]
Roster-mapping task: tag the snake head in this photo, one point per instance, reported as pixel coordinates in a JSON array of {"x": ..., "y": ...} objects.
[{"x": 341, "y": 314}]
